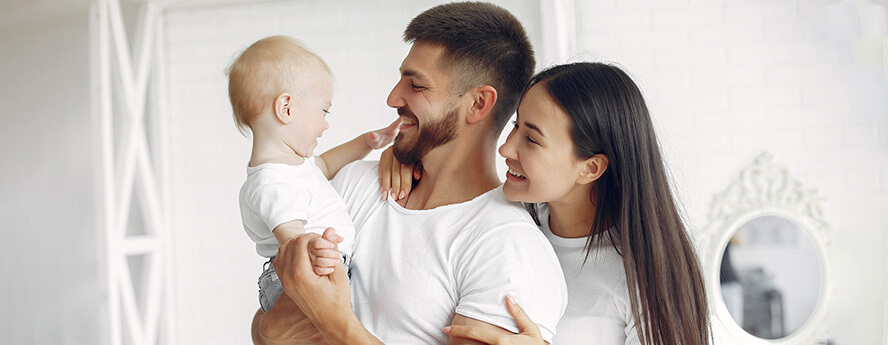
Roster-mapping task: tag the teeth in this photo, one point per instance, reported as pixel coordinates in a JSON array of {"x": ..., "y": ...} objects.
[
  {"x": 515, "y": 173},
  {"x": 407, "y": 123}
]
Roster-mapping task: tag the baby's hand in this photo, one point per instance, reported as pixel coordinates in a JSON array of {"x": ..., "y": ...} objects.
[
  {"x": 381, "y": 138},
  {"x": 324, "y": 253}
]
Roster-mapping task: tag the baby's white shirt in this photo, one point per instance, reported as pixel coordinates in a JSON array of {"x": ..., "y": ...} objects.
[{"x": 276, "y": 193}]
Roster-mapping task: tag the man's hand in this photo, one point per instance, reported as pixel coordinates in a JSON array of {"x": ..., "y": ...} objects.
[{"x": 325, "y": 300}]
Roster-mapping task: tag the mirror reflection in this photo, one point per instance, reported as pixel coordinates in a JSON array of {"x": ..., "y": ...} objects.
[{"x": 770, "y": 277}]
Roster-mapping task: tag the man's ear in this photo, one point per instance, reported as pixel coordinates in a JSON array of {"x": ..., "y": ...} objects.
[
  {"x": 593, "y": 168},
  {"x": 283, "y": 108},
  {"x": 483, "y": 99}
]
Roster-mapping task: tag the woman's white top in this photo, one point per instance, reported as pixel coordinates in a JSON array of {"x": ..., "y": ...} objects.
[{"x": 598, "y": 308}]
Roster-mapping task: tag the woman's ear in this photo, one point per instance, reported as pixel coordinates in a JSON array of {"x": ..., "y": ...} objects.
[
  {"x": 283, "y": 108},
  {"x": 483, "y": 99},
  {"x": 593, "y": 168}
]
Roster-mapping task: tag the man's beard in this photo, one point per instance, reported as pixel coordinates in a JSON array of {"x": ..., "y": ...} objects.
[{"x": 431, "y": 136}]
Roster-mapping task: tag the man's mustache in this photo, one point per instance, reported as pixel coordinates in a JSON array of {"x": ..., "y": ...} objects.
[{"x": 404, "y": 111}]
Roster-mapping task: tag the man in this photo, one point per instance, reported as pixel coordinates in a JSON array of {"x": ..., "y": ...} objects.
[{"x": 451, "y": 252}]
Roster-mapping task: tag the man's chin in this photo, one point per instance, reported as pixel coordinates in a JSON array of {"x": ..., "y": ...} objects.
[{"x": 405, "y": 156}]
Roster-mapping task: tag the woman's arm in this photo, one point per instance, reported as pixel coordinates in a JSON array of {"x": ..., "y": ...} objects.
[
  {"x": 396, "y": 179},
  {"x": 529, "y": 333}
]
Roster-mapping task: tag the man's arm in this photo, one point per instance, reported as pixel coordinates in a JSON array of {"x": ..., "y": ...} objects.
[
  {"x": 459, "y": 320},
  {"x": 285, "y": 324},
  {"x": 325, "y": 300},
  {"x": 334, "y": 159}
]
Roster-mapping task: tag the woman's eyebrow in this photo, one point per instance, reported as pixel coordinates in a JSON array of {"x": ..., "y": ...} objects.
[{"x": 534, "y": 127}]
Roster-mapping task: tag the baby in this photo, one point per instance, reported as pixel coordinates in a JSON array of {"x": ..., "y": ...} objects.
[{"x": 282, "y": 92}]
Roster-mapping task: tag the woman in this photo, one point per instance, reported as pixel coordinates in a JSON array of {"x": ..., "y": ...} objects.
[{"x": 584, "y": 159}]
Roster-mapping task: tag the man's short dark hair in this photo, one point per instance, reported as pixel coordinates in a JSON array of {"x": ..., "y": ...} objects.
[{"x": 483, "y": 44}]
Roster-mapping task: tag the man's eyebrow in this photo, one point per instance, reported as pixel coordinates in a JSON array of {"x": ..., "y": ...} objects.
[
  {"x": 534, "y": 127},
  {"x": 413, "y": 74}
]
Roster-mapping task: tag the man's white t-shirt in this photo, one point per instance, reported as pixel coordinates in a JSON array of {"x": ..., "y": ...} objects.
[
  {"x": 413, "y": 270},
  {"x": 274, "y": 194},
  {"x": 598, "y": 309}
]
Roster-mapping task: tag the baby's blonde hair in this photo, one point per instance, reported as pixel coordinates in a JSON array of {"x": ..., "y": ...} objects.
[{"x": 267, "y": 68}]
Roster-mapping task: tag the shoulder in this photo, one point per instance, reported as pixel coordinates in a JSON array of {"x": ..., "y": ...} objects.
[
  {"x": 271, "y": 173},
  {"x": 355, "y": 172},
  {"x": 277, "y": 180},
  {"x": 495, "y": 217},
  {"x": 504, "y": 229}
]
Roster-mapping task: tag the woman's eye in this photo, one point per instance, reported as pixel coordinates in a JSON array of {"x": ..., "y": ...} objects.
[
  {"x": 417, "y": 87},
  {"x": 529, "y": 139}
]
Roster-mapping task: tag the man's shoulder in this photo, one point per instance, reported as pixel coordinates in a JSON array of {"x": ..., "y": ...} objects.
[
  {"x": 358, "y": 170},
  {"x": 496, "y": 210},
  {"x": 357, "y": 180}
]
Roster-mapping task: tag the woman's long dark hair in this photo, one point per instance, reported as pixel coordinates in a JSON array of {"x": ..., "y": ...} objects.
[{"x": 634, "y": 205}]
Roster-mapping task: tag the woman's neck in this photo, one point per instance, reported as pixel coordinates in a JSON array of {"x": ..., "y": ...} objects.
[{"x": 572, "y": 219}]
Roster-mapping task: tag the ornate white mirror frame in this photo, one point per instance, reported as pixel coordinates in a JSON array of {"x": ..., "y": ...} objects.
[{"x": 764, "y": 188}]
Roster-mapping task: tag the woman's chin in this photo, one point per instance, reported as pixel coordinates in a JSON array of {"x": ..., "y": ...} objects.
[{"x": 514, "y": 193}]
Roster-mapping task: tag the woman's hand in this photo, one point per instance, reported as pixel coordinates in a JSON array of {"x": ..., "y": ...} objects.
[
  {"x": 529, "y": 333},
  {"x": 396, "y": 179}
]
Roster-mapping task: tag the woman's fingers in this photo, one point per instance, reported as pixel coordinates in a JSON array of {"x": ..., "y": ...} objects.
[
  {"x": 406, "y": 180},
  {"x": 525, "y": 324},
  {"x": 385, "y": 172},
  {"x": 396, "y": 178}
]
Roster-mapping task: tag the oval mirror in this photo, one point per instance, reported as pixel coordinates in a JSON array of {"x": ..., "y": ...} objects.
[{"x": 770, "y": 276}]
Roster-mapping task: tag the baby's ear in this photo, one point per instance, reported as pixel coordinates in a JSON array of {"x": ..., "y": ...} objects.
[{"x": 283, "y": 105}]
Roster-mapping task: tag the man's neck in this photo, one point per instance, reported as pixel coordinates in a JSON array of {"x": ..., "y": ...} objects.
[{"x": 453, "y": 174}]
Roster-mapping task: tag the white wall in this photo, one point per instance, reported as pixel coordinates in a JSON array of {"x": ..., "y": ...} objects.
[
  {"x": 50, "y": 256},
  {"x": 729, "y": 79},
  {"x": 216, "y": 271}
]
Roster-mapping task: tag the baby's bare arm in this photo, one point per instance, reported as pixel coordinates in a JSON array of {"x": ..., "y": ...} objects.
[
  {"x": 334, "y": 159},
  {"x": 287, "y": 230}
]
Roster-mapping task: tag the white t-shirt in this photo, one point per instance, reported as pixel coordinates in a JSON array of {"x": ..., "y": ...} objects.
[
  {"x": 598, "y": 309},
  {"x": 274, "y": 194},
  {"x": 413, "y": 270}
]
